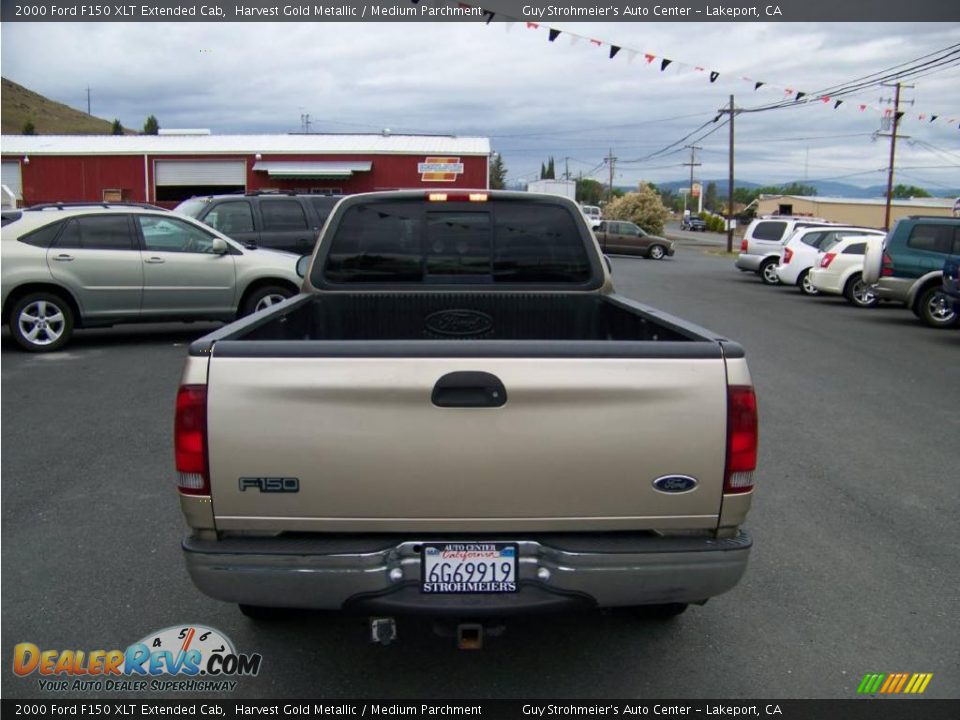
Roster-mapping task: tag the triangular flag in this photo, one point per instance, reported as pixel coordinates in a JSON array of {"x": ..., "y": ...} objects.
[
  {"x": 837, "y": 103},
  {"x": 714, "y": 75},
  {"x": 631, "y": 56},
  {"x": 489, "y": 14},
  {"x": 464, "y": 6},
  {"x": 900, "y": 115},
  {"x": 697, "y": 67},
  {"x": 597, "y": 43},
  {"x": 825, "y": 98},
  {"x": 788, "y": 91},
  {"x": 532, "y": 25},
  {"x": 554, "y": 34},
  {"x": 664, "y": 63},
  {"x": 613, "y": 51},
  {"x": 757, "y": 85},
  {"x": 921, "y": 116},
  {"x": 933, "y": 117},
  {"x": 862, "y": 108},
  {"x": 650, "y": 58},
  {"x": 800, "y": 95}
]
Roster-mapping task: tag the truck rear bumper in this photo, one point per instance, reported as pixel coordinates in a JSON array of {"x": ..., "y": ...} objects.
[{"x": 382, "y": 573}]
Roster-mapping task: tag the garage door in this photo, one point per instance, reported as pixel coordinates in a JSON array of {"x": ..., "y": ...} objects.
[
  {"x": 201, "y": 172},
  {"x": 177, "y": 180},
  {"x": 11, "y": 178}
]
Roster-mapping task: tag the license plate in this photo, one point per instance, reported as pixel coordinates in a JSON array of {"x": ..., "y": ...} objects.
[{"x": 469, "y": 568}]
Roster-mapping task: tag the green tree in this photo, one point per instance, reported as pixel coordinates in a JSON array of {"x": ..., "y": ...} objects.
[
  {"x": 589, "y": 192},
  {"x": 498, "y": 173},
  {"x": 28, "y": 128},
  {"x": 710, "y": 197},
  {"x": 909, "y": 191},
  {"x": 116, "y": 128},
  {"x": 543, "y": 171},
  {"x": 151, "y": 126},
  {"x": 644, "y": 207},
  {"x": 551, "y": 172}
]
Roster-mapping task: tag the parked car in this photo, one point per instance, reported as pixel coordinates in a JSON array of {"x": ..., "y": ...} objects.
[
  {"x": 618, "y": 237},
  {"x": 65, "y": 267},
  {"x": 908, "y": 269},
  {"x": 693, "y": 223},
  {"x": 839, "y": 269},
  {"x": 593, "y": 214},
  {"x": 951, "y": 281},
  {"x": 459, "y": 467},
  {"x": 762, "y": 244},
  {"x": 277, "y": 221},
  {"x": 801, "y": 250}
]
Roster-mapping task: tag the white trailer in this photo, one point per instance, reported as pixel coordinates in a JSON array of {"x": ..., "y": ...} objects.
[{"x": 563, "y": 188}]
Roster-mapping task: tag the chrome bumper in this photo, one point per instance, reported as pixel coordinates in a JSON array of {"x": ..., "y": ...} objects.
[{"x": 370, "y": 573}]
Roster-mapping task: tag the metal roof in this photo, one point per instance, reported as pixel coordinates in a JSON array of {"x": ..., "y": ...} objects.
[
  {"x": 379, "y": 144},
  {"x": 901, "y": 202},
  {"x": 292, "y": 169}
]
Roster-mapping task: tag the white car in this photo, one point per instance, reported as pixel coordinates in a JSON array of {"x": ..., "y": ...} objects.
[
  {"x": 593, "y": 215},
  {"x": 839, "y": 269},
  {"x": 801, "y": 250},
  {"x": 763, "y": 242}
]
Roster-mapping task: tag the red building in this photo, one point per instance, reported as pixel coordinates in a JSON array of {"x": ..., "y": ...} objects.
[{"x": 165, "y": 169}]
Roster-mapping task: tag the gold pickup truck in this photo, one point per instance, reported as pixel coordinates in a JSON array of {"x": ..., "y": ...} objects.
[{"x": 458, "y": 416}]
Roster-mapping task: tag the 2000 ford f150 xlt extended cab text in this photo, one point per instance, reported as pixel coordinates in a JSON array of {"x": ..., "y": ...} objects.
[{"x": 459, "y": 416}]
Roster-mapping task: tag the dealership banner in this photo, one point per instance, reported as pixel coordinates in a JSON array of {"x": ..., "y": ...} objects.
[
  {"x": 486, "y": 11},
  {"x": 308, "y": 709}
]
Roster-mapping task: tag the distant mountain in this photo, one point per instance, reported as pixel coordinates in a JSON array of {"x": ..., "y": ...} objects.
[
  {"x": 824, "y": 188},
  {"x": 18, "y": 105}
]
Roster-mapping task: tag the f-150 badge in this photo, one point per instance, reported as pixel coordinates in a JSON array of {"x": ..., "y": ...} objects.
[{"x": 270, "y": 484}]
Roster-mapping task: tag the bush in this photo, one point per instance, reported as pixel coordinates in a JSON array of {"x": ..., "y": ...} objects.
[{"x": 644, "y": 208}]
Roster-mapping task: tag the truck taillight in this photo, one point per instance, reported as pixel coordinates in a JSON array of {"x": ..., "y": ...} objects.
[
  {"x": 190, "y": 440},
  {"x": 458, "y": 197},
  {"x": 741, "y": 439},
  {"x": 787, "y": 254},
  {"x": 886, "y": 269},
  {"x": 827, "y": 259},
  {"x": 743, "y": 245}
]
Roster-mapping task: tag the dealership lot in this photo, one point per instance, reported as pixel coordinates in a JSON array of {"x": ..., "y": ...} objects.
[{"x": 853, "y": 568}]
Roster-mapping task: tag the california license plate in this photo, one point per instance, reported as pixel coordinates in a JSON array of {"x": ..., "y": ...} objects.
[{"x": 469, "y": 568}]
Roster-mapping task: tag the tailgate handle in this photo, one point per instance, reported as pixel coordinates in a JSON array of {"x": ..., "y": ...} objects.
[{"x": 469, "y": 389}]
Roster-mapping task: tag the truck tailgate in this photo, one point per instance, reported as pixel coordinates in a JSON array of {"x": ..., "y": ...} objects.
[{"x": 576, "y": 446}]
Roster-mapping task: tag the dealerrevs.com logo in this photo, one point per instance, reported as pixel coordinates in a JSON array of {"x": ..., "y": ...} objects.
[{"x": 181, "y": 658}]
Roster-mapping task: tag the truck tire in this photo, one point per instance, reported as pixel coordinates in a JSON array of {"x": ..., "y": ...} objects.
[
  {"x": 656, "y": 252},
  {"x": 768, "y": 271},
  {"x": 935, "y": 310},
  {"x": 41, "y": 322},
  {"x": 263, "y": 297}
]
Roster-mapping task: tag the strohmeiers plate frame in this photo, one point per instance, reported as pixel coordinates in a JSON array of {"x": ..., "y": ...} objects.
[{"x": 505, "y": 552}]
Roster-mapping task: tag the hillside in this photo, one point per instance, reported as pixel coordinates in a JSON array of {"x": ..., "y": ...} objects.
[{"x": 17, "y": 105}]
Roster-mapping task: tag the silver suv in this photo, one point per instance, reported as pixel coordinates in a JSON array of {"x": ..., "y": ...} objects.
[{"x": 69, "y": 266}]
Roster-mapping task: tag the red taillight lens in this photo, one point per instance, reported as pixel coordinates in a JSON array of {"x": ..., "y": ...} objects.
[
  {"x": 743, "y": 245},
  {"x": 741, "y": 439},
  {"x": 827, "y": 259},
  {"x": 190, "y": 440},
  {"x": 458, "y": 196},
  {"x": 787, "y": 254},
  {"x": 887, "y": 269}
]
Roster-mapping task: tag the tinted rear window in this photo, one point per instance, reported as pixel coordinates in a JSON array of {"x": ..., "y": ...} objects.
[
  {"x": 43, "y": 237},
  {"x": 934, "y": 238},
  {"x": 769, "y": 230},
  {"x": 496, "y": 242}
]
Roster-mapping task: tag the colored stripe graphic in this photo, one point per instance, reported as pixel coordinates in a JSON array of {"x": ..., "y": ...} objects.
[{"x": 894, "y": 683}]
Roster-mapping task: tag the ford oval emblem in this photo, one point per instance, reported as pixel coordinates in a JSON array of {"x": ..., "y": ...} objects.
[
  {"x": 675, "y": 483},
  {"x": 459, "y": 323}
]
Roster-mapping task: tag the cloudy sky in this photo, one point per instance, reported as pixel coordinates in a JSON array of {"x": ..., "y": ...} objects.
[{"x": 533, "y": 98}]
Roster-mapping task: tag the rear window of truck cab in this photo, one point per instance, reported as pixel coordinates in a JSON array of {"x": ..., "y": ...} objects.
[{"x": 412, "y": 241}]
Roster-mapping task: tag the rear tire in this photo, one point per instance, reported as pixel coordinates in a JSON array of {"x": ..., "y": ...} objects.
[
  {"x": 806, "y": 287},
  {"x": 859, "y": 293},
  {"x": 41, "y": 322},
  {"x": 935, "y": 310},
  {"x": 768, "y": 271}
]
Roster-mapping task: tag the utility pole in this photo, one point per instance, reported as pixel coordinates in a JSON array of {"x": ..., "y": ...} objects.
[
  {"x": 732, "y": 112},
  {"x": 88, "y": 99},
  {"x": 893, "y": 149},
  {"x": 566, "y": 168},
  {"x": 611, "y": 160},
  {"x": 305, "y": 122},
  {"x": 692, "y": 164}
]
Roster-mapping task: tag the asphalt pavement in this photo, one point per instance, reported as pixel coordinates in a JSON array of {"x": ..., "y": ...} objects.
[{"x": 854, "y": 567}]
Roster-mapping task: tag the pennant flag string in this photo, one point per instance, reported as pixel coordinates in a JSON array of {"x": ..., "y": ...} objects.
[
  {"x": 554, "y": 34},
  {"x": 664, "y": 64},
  {"x": 613, "y": 51}
]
